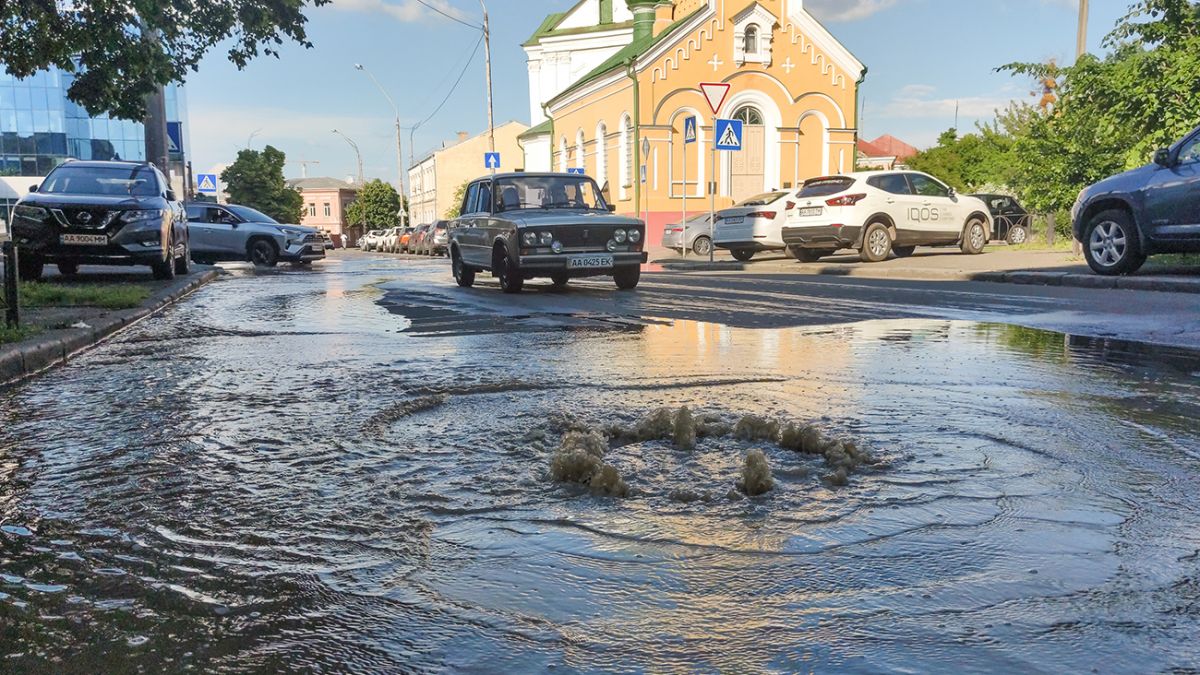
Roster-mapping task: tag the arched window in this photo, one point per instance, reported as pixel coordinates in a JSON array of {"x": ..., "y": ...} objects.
[
  {"x": 601, "y": 154},
  {"x": 750, "y": 41},
  {"x": 626, "y": 154},
  {"x": 749, "y": 115},
  {"x": 562, "y": 155},
  {"x": 580, "y": 151}
]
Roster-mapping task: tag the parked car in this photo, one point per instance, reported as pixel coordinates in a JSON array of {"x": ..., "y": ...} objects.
[
  {"x": 879, "y": 213},
  {"x": 694, "y": 234},
  {"x": 231, "y": 232},
  {"x": 370, "y": 240},
  {"x": 1153, "y": 209},
  {"x": 329, "y": 245},
  {"x": 438, "y": 239},
  {"x": 405, "y": 236},
  {"x": 387, "y": 240},
  {"x": 416, "y": 242},
  {"x": 754, "y": 225},
  {"x": 102, "y": 213},
  {"x": 521, "y": 226},
  {"x": 1010, "y": 221}
]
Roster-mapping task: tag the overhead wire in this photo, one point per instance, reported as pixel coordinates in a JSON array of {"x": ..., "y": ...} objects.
[{"x": 449, "y": 15}]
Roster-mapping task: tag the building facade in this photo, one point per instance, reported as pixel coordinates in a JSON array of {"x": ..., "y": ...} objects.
[
  {"x": 434, "y": 181},
  {"x": 792, "y": 84},
  {"x": 325, "y": 203}
]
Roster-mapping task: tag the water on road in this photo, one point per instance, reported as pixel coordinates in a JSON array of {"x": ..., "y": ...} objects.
[{"x": 347, "y": 468}]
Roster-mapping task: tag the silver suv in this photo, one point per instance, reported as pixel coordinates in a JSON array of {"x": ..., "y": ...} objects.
[{"x": 228, "y": 232}]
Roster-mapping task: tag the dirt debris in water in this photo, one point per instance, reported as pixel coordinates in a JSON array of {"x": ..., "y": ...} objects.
[
  {"x": 756, "y": 474},
  {"x": 685, "y": 429},
  {"x": 580, "y": 459},
  {"x": 381, "y": 420},
  {"x": 755, "y": 428}
]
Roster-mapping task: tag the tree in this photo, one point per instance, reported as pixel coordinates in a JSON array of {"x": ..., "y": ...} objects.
[
  {"x": 455, "y": 209},
  {"x": 969, "y": 162},
  {"x": 256, "y": 180},
  {"x": 379, "y": 201},
  {"x": 122, "y": 51}
]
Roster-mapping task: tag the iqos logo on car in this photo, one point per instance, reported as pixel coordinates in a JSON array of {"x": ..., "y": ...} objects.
[{"x": 926, "y": 215}]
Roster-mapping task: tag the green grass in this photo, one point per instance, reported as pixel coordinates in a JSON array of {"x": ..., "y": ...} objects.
[
  {"x": 1176, "y": 260},
  {"x": 1039, "y": 244},
  {"x": 8, "y": 335},
  {"x": 107, "y": 296}
]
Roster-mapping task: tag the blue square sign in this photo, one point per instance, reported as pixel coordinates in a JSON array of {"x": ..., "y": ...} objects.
[
  {"x": 577, "y": 170},
  {"x": 206, "y": 183},
  {"x": 729, "y": 134},
  {"x": 689, "y": 130},
  {"x": 491, "y": 160}
]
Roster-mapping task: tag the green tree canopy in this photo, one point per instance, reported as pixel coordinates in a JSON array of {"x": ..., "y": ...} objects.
[
  {"x": 121, "y": 51},
  {"x": 380, "y": 203},
  {"x": 256, "y": 180},
  {"x": 455, "y": 209}
]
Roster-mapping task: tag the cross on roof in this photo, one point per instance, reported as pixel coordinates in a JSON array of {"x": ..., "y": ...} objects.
[
  {"x": 788, "y": 65},
  {"x": 716, "y": 62}
]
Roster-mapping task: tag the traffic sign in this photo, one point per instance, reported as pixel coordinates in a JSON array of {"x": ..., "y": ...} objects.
[
  {"x": 729, "y": 134},
  {"x": 715, "y": 93},
  {"x": 576, "y": 170},
  {"x": 206, "y": 183},
  {"x": 175, "y": 138},
  {"x": 491, "y": 160},
  {"x": 689, "y": 130}
]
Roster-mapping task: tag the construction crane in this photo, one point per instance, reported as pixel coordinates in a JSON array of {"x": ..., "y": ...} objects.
[{"x": 304, "y": 166}]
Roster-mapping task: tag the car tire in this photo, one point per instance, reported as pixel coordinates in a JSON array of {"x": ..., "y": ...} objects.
[
  {"x": 263, "y": 253},
  {"x": 702, "y": 246},
  {"x": 1111, "y": 244},
  {"x": 30, "y": 266},
  {"x": 1017, "y": 235},
  {"x": 164, "y": 270},
  {"x": 560, "y": 279},
  {"x": 974, "y": 237},
  {"x": 627, "y": 278},
  {"x": 742, "y": 254},
  {"x": 903, "y": 251},
  {"x": 183, "y": 264},
  {"x": 511, "y": 280},
  {"x": 877, "y": 243},
  {"x": 463, "y": 274},
  {"x": 68, "y": 269}
]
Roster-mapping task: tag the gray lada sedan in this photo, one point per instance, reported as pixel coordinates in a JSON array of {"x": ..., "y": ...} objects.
[{"x": 522, "y": 226}]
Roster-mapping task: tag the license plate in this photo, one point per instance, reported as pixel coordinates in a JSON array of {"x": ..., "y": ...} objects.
[
  {"x": 810, "y": 211},
  {"x": 590, "y": 262},
  {"x": 733, "y": 220},
  {"x": 84, "y": 239}
]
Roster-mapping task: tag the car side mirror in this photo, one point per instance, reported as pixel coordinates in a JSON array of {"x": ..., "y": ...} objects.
[
  {"x": 34, "y": 187},
  {"x": 612, "y": 208},
  {"x": 953, "y": 193},
  {"x": 1162, "y": 157}
]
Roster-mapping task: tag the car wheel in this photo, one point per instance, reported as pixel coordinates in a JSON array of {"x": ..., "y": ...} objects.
[
  {"x": 263, "y": 253},
  {"x": 164, "y": 270},
  {"x": 30, "y": 266},
  {"x": 1017, "y": 235},
  {"x": 742, "y": 254},
  {"x": 464, "y": 275},
  {"x": 702, "y": 246},
  {"x": 183, "y": 264},
  {"x": 560, "y": 279},
  {"x": 1111, "y": 245},
  {"x": 975, "y": 237},
  {"x": 511, "y": 280},
  {"x": 627, "y": 278},
  {"x": 68, "y": 269},
  {"x": 903, "y": 251},
  {"x": 877, "y": 243}
]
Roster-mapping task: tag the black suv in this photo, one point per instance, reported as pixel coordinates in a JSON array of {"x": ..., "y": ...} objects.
[
  {"x": 102, "y": 213},
  {"x": 1010, "y": 221},
  {"x": 1152, "y": 209}
]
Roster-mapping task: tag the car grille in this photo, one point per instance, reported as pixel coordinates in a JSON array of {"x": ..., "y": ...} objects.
[
  {"x": 313, "y": 239},
  {"x": 96, "y": 219},
  {"x": 577, "y": 237}
]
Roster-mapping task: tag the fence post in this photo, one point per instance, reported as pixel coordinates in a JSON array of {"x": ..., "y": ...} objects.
[
  {"x": 1051, "y": 228},
  {"x": 12, "y": 310}
]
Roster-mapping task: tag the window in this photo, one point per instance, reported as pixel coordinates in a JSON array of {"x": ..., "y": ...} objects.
[
  {"x": 469, "y": 199},
  {"x": 484, "y": 205},
  {"x": 749, "y": 115},
  {"x": 312, "y": 209},
  {"x": 540, "y": 192},
  {"x": 327, "y": 212},
  {"x": 626, "y": 154},
  {"x": 579, "y": 149},
  {"x": 894, "y": 183},
  {"x": 1190, "y": 152},
  {"x": 602, "y": 153},
  {"x": 135, "y": 180},
  {"x": 831, "y": 185},
  {"x": 750, "y": 41},
  {"x": 927, "y": 187},
  {"x": 562, "y": 155}
]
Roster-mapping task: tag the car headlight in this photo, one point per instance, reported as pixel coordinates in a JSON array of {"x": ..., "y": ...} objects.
[
  {"x": 557, "y": 247},
  {"x": 612, "y": 245},
  {"x": 142, "y": 214},
  {"x": 529, "y": 239},
  {"x": 30, "y": 212},
  {"x": 635, "y": 236},
  {"x": 619, "y": 236},
  {"x": 546, "y": 238}
]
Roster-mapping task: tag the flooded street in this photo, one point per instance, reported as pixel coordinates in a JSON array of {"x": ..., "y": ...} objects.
[{"x": 348, "y": 469}]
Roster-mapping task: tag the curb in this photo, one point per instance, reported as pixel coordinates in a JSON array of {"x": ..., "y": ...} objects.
[
  {"x": 29, "y": 358},
  {"x": 704, "y": 266}
]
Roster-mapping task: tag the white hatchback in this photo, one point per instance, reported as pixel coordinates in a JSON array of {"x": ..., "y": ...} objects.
[
  {"x": 754, "y": 225},
  {"x": 879, "y": 213}
]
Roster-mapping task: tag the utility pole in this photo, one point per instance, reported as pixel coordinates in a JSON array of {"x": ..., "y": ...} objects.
[
  {"x": 487, "y": 59},
  {"x": 362, "y": 182},
  {"x": 400, "y": 169},
  {"x": 1081, "y": 37}
]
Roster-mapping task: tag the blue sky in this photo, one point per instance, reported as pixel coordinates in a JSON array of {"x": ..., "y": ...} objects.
[{"x": 923, "y": 56}]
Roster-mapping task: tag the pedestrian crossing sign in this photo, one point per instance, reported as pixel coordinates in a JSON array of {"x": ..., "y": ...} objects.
[
  {"x": 206, "y": 183},
  {"x": 689, "y": 130},
  {"x": 729, "y": 134}
]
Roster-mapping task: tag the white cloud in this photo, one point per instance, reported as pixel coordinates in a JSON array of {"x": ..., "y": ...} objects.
[
  {"x": 406, "y": 11},
  {"x": 917, "y": 101},
  {"x": 846, "y": 10}
]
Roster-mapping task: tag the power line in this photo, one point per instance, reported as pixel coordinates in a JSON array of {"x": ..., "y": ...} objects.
[
  {"x": 461, "y": 75},
  {"x": 448, "y": 15}
]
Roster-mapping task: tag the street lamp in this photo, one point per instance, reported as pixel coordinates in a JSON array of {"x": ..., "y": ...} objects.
[
  {"x": 399, "y": 142},
  {"x": 361, "y": 179}
]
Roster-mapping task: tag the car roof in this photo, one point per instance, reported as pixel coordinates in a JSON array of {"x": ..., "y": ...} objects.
[
  {"x": 97, "y": 163},
  {"x": 533, "y": 174}
]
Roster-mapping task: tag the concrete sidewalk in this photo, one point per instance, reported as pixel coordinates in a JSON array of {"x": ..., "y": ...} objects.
[
  {"x": 69, "y": 330},
  {"x": 997, "y": 264}
]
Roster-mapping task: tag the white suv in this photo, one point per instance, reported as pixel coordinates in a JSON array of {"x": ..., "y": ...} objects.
[{"x": 883, "y": 212}]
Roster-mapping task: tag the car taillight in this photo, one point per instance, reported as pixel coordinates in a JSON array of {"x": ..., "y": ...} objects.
[
  {"x": 675, "y": 230},
  {"x": 790, "y": 206},
  {"x": 845, "y": 200},
  {"x": 769, "y": 215}
]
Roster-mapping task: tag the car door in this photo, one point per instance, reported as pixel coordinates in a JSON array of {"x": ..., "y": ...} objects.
[
  {"x": 934, "y": 216},
  {"x": 898, "y": 202},
  {"x": 464, "y": 230},
  {"x": 1173, "y": 195},
  {"x": 198, "y": 228}
]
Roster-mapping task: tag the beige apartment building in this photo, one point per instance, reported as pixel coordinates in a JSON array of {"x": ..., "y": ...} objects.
[
  {"x": 434, "y": 180},
  {"x": 325, "y": 202}
]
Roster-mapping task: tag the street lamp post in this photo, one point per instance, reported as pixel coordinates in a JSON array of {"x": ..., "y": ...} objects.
[
  {"x": 399, "y": 138},
  {"x": 361, "y": 179},
  {"x": 487, "y": 59}
]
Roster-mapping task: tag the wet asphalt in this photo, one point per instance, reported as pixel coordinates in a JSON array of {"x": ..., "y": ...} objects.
[{"x": 347, "y": 469}]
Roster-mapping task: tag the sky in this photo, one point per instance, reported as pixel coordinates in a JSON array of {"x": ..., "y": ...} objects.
[{"x": 924, "y": 57}]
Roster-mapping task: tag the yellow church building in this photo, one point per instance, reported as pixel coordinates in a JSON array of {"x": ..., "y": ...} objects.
[{"x": 608, "y": 77}]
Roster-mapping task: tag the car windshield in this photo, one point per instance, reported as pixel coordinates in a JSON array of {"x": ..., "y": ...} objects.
[
  {"x": 251, "y": 215},
  {"x": 823, "y": 187},
  {"x": 118, "y": 181},
  {"x": 548, "y": 192},
  {"x": 763, "y": 199}
]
